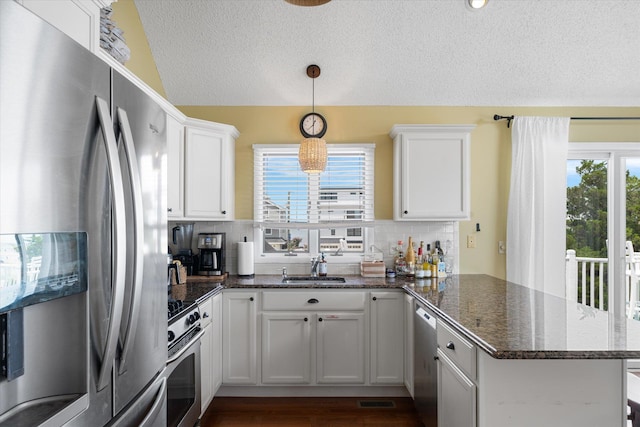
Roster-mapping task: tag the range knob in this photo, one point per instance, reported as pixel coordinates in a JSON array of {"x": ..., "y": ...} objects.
[
  {"x": 191, "y": 319},
  {"x": 196, "y": 315},
  {"x": 171, "y": 336}
]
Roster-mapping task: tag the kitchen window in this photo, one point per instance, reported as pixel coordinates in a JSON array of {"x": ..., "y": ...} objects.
[{"x": 299, "y": 214}]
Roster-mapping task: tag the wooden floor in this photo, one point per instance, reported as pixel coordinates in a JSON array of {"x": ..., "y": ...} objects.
[{"x": 308, "y": 412}]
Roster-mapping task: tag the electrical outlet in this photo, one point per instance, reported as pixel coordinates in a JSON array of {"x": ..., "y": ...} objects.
[
  {"x": 502, "y": 248},
  {"x": 471, "y": 241}
]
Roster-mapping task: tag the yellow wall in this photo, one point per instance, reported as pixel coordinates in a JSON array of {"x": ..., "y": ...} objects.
[
  {"x": 490, "y": 146},
  {"x": 126, "y": 17}
]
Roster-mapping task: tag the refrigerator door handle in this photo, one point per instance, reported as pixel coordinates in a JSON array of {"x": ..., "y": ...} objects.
[
  {"x": 120, "y": 235},
  {"x": 133, "y": 173},
  {"x": 158, "y": 405}
]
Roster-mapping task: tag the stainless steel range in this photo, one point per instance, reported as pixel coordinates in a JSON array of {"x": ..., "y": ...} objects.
[
  {"x": 183, "y": 364},
  {"x": 184, "y": 325}
]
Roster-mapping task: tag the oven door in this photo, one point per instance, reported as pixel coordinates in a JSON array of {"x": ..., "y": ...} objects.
[{"x": 183, "y": 385}]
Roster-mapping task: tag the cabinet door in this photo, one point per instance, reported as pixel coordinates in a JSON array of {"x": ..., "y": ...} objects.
[
  {"x": 340, "y": 348},
  {"x": 408, "y": 342},
  {"x": 175, "y": 170},
  {"x": 239, "y": 338},
  {"x": 387, "y": 338},
  {"x": 456, "y": 395},
  {"x": 208, "y": 175},
  {"x": 206, "y": 385},
  {"x": 206, "y": 354},
  {"x": 80, "y": 20},
  {"x": 431, "y": 172},
  {"x": 216, "y": 342},
  {"x": 286, "y": 348}
]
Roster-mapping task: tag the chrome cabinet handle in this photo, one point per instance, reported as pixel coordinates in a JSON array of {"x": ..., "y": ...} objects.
[
  {"x": 375, "y": 298},
  {"x": 250, "y": 298},
  {"x": 205, "y": 315},
  {"x": 306, "y": 319},
  {"x": 313, "y": 301},
  {"x": 451, "y": 346}
]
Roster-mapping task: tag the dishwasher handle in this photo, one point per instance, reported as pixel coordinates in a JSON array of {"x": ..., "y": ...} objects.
[{"x": 424, "y": 316}]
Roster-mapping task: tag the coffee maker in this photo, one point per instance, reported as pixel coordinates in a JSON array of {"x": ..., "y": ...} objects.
[
  {"x": 182, "y": 236},
  {"x": 211, "y": 246}
]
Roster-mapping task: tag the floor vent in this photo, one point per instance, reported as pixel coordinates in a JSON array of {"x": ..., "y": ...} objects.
[{"x": 376, "y": 404}]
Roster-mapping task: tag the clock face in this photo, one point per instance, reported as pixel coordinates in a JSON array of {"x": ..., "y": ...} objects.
[{"x": 313, "y": 125}]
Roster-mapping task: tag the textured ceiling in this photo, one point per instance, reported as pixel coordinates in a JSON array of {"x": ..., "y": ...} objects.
[{"x": 397, "y": 52}]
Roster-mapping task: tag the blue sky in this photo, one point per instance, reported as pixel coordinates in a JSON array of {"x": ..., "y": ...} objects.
[{"x": 573, "y": 179}]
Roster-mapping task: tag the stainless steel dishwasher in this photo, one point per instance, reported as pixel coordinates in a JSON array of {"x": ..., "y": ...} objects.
[{"x": 425, "y": 370}]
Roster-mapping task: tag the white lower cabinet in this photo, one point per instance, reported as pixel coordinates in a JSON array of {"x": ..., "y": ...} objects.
[
  {"x": 210, "y": 349},
  {"x": 387, "y": 337},
  {"x": 457, "y": 376},
  {"x": 456, "y": 395},
  {"x": 313, "y": 337},
  {"x": 340, "y": 348},
  {"x": 216, "y": 343},
  {"x": 286, "y": 348},
  {"x": 409, "y": 308},
  {"x": 239, "y": 337}
]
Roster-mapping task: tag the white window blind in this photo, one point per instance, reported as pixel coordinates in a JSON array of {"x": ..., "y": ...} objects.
[{"x": 341, "y": 196}]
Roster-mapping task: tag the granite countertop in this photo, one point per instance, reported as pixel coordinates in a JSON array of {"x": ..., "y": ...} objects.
[{"x": 506, "y": 320}]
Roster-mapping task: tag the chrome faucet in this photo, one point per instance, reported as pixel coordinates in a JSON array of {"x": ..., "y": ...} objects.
[{"x": 314, "y": 267}]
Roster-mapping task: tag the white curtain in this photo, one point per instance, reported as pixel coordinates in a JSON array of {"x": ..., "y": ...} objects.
[{"x": 537, "y": 203}]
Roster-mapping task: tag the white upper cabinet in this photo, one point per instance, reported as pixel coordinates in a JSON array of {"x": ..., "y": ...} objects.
[
  {"x": 431, "y": 170},
  {"x": 175, "y": 168},
  {"x": 209, "y": 171},
  {"x": 79, "y": 19}
]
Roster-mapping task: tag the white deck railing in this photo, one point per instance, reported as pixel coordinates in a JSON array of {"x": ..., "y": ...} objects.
[{"x": 585, "y": 279}]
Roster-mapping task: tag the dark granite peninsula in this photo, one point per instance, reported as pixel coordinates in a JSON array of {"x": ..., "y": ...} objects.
[{"x": 510, "y": 321}]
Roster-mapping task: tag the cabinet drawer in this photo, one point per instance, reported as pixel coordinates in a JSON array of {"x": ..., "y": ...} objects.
[
  {"x": 313, "y": 300},
  {"x": 459, "y": 350}
]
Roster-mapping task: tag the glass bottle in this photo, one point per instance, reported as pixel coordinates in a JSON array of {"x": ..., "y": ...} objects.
[
  {"x": 410, "y": 258},
  {"x": 400, "y": 263},
  {"x": 322, "y": 266}
]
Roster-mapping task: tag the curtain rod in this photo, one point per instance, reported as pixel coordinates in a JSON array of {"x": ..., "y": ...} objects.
[{"x": 509, "y": 118}]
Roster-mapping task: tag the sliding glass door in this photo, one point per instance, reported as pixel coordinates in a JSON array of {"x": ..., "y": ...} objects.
[{"x": 603, "y": 226}]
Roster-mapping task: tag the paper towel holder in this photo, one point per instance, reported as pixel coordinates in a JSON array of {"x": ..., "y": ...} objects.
[{"x": 245, "y": 260}]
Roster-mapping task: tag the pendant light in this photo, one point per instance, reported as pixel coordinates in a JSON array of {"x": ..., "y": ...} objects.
[
  {"x": 308, "y": 2},
  {"x": 312, "y": 154}
]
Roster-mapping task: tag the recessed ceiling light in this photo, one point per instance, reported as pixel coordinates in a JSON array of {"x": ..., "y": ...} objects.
[{"x": 477, "y": 4}]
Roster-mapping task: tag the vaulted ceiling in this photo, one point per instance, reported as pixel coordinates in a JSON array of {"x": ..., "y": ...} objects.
[{"x": 397, "y": 52}]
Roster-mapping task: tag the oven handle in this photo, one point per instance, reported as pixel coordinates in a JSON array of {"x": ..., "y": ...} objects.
[
  {"x": 157, "y": 405},
  {"x": 186, "y": 347}
]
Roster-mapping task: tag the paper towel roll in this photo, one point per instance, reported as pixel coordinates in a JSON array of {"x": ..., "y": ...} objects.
[{"x": 245, "y": 258}]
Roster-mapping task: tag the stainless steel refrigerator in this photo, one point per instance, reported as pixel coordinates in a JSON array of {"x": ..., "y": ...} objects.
[{"x": 82, "y": 160}]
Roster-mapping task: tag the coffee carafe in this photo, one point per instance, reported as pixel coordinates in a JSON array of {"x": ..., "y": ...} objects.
[
  {"x": 182, "y": 237},
  {"x": 211, "y": 246}
]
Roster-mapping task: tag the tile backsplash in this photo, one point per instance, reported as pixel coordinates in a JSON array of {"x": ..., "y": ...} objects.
[{"x": 387, "y": 234}]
